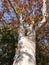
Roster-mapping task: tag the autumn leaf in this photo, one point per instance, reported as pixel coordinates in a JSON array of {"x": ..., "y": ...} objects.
[{"x": 32, "y": 19}]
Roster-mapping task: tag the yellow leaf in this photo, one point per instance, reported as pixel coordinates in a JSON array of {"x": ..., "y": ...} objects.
[
  {"x": 19, "y": 10},
  {"x": 32, "y": 19},
  {"x": 23, "y": 10}
]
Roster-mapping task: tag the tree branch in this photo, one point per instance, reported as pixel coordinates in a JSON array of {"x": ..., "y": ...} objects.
[
  {"x": 13, "y": 9},
  {"x": 44, "y": 12}
]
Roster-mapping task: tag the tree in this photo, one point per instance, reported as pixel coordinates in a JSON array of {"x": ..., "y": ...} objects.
[
  {"x": 27, "y": 44},
  {"x": 30, "y": 21}
]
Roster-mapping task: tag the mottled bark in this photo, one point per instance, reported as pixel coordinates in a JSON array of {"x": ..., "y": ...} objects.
[{"x": 26, "y": 44}]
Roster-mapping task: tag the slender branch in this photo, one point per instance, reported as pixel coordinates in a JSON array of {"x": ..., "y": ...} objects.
[
  {"x": 13, "y": 9},
  {"x": 44, "y": 12}
]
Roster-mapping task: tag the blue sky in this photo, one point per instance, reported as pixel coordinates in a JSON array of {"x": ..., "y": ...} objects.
[{"x": 7, "y": 16}]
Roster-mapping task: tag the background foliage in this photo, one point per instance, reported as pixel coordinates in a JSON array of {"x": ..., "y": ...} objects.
[
  {"x": 8, "y": 42},
  {"x": 42, "y": 46}
]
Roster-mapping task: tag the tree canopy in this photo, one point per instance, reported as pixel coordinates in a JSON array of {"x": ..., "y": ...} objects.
[{"x": 32, "y": 12}]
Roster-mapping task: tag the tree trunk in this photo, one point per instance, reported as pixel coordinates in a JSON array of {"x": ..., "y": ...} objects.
[{"x": 26, "y": 44}]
